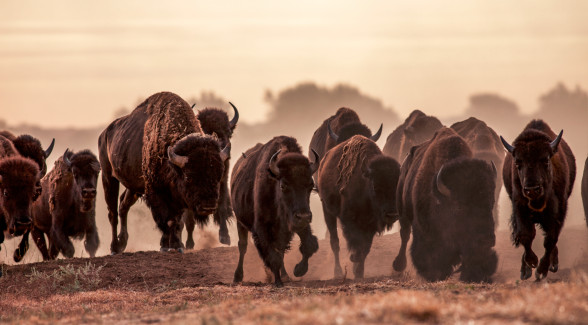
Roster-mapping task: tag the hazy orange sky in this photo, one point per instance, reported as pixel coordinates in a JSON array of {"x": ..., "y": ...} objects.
[{"x": 73, "y": 63}]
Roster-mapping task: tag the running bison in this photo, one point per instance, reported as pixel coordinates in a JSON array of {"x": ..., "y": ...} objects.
[
  {"x": 585, "y": 190},
  {"x": 486, "y": 145},
  {"x": 447, "y": 196},
  {"x": 270, "y": 192},
  {"x": 19, "y": 187},
  {"x": 416, "y": 129},
  {"x": 66, "y": 208},
  {"x": 215, "y": 121},
  {"x": 538, "y": 176},
  {"x": 357, "y": 185},
  {"x": 160, "y": 152}
]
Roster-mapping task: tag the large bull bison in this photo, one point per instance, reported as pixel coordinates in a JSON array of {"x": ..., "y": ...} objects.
[
  {"x": 486, "y": 145},
  {"x": 270, "y": 192},
  {"x": 216, "y": 122},
  {"x": 338, "y": 128},
  {"x": 416, "y": 129},
  {"x": 585, "y": 190},
  {"x": 357, "y": 185},
  {"x": 538, "y": 176},
  {"x": 66, "y": 208},
  {"x": 447, "y": 196},
  {"x": 160, "y": 152}
]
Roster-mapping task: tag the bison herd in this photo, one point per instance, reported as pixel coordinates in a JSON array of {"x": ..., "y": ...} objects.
[{"x": 440, "y": 183}]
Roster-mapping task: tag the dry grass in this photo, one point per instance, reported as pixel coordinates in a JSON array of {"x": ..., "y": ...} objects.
[{"x": 381, "y": 301}]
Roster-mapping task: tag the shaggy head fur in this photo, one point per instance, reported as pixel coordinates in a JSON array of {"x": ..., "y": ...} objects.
[
  {"x": 216, "y": 121},
  {"x": 18, "y": 179}
]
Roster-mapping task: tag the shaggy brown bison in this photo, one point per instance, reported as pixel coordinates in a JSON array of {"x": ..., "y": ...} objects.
[
  {"x": 486, "y": 145},
  {"x": 416, "y": 129},
  {"x": 538, "y": 176},
  {"x": 357, "y": 185},
  {"x": 216, "y": 122},
  {"x": 447, "y": 196},
  {"x": 585, "y": 190},
  {"x": 338, "y": 128},
  {"x": 160, "y": 152},
  {"x": 270, "y": 192},
  {"x": 66, "y": 208}
]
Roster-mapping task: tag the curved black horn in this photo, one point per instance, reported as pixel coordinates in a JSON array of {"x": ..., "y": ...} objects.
[
  {"x": 506, "y": 145},
  {"x": 555, "y": 142},
  {"x": 233, "y": 122},
  {"x": 273, "y": 164},
  {"x": 440, "y": 186},
  {"x": 376, "y": 136},
  {"x": 175, "y": 159},
  {"x": 66, "y": 158},
  {"x": 50, "y": 149},
  {"x": 226, "y": 153},
  {"x": 331, "y": 133},
  {"x": 193, "y": 105},
  {"x": 315, "y": 165}
]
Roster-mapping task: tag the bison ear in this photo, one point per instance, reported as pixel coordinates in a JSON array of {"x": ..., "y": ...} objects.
[
  {"x": 556, "y": 142},
  {"x": 506, "y": 145},
  {"x": 273, "y": 169}
]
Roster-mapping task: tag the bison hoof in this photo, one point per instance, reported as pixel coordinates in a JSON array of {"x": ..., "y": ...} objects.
[
  {"x": 181, "y": 250},
  {"x": 301, "y": 268},
  {"x": 190, "y": 243},
  {"x": 554, "y": 267},
  {"x": 526, "y": 273},
  {"x": 224, "y": 238},
  {"x": 399, "y": 264},
  {"x": 164, "y": 249},
  {"x": 338, "y": 272},
  {"x": 17, "y": 256},
  {"x": 279, "y": 284},
  {"x": 540, "y": 276}
]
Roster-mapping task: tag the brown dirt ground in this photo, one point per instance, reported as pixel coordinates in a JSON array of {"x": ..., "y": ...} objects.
[{"x": 196, "y": 287}]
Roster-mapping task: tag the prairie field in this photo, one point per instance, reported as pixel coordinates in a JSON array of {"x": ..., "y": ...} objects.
[{"x": 196, "y": 287}]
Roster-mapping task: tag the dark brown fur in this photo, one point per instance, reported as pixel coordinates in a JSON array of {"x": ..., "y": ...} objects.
[
  {"x": 416, "y": 129},
  {"x": 550, "y": 172},
  {"x": 486, "y": 145},
  {"x": 133, "y": 151},
  {"x": 273, "y": 207},
  {"x": 585, "y": 190},
  {"x": 66, "y": 208},
  {"x": 357, "y": 185},
  {"x": 449, "y": 228}
]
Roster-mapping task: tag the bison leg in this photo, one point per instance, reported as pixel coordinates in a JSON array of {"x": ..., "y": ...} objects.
[
  {"x": 224, "y": 211},
  {"x": 243, "y": 234},
  {"x": 478, "y": 264},
  {"x": 331, "y": 222},
  {"x": 399, "y": 263},
  {"x": 546, "y": 262},
  {"x": 272, "y": 258},
  {"x": 431, "y": 259},
  {"x": 190, "y": 225},
  {"x": 127, "y": 199},
  {"x": 23, "y": 247},
  {"x": 111, "y": 187},
  {"x": 524, "y": 233},
  {"x": 61, "y": 242},
  {"x": 308, "y": 246},
  {"x": 358, "y": 257},
  {"x": 39, "y": 238},
  {"x": 92, "y": 241}
]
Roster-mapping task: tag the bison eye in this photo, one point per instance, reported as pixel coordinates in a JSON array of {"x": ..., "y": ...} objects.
[{"x": 6, "y": 193}]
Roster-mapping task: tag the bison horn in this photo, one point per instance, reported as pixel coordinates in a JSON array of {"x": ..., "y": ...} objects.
[
  {"x": 440, "y": 186},
  {"x": 175, "y": 159},
  {"x": 193, "y": 105},
  {"x": 226, "y": 153},
  {"x": 507, "y": 145},
  {"x": 376, "y": 136},
  {"x": 315, "y": 165},
  {"x": 555, "y": 142},
  {"x": 50, "y": 149},
  {"x": 331, "y": 133},
  {"x": 244, "y": 155},
  {"x": 273, "y": 164},
  {"x": 233, "y": 122},
  {"x": 66, "y": 158}
]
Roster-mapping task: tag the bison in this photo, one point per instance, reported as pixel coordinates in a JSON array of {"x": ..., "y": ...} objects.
[
  {"x": 216, "y": 122},
  {"x": 416, "y": 129},
  {"x": 66, "y": 208},
  {"x": 446, "y": 196},
  {"x": 270, "y": 192},
  {"x": 338, "y": 128},
  {"x": 485, "y": 145},
  {"x": 585, "y": 190},
  {"x": 538, "y": 176},
  {"x": 357, "y": 185},
  {"x": 159, "y": 151}
]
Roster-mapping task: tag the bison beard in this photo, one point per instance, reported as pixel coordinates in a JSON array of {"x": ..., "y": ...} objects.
[
  {"x": 538, "y": 175},
  {"x": 270, "y": 192},
  {"x": 446, "y": 197}
]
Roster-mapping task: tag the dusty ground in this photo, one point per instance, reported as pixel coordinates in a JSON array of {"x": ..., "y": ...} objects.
[{"x": 195, "y": 287}]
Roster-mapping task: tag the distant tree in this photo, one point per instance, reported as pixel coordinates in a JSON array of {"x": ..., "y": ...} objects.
[
  {"x": 208, "y": 99},
  {"x": 563, "y": 104},
  {"x": 500, "y": 113}
]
